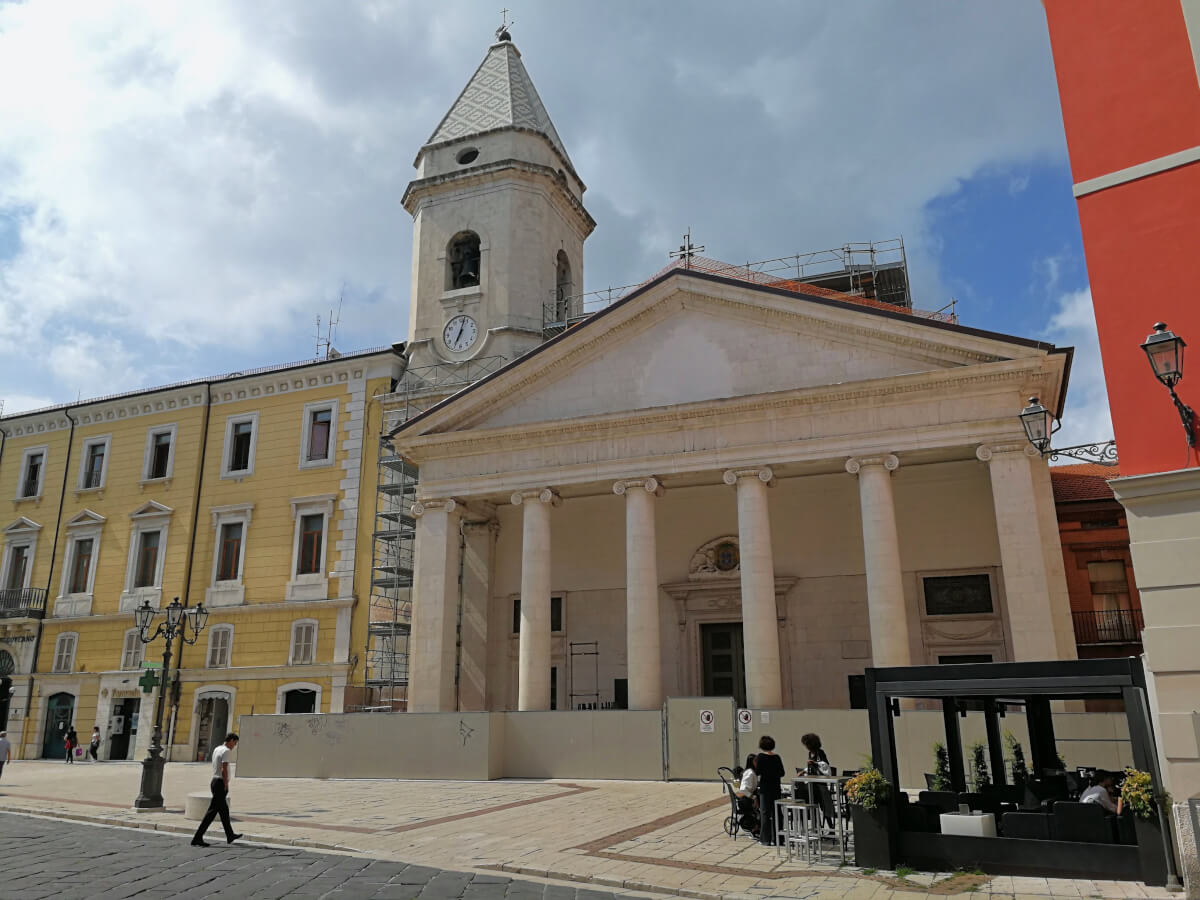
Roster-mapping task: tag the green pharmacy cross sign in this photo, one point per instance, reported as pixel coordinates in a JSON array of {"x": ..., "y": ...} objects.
[{"x": 148, "y": 681}]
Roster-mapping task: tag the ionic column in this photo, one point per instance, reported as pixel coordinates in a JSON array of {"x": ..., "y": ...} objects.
[
  {"x": 642, "y": 640},
  {"x": 760, "y": 630},
  {"x": 533, "y": 665},
  {"x": 886, "y": 610},
  {"x": 1027, "y": 582},
  {"x": 432, "y": 644}
]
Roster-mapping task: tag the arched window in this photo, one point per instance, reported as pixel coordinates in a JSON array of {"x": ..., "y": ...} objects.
[
  {"x": 563, "y": 288},
  {"x": 462, "y": 261}
]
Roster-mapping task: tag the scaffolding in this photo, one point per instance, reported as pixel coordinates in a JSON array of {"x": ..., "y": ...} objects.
[
  {"x": 872, "y": 274},
  {"x": 385, "y": 669}
]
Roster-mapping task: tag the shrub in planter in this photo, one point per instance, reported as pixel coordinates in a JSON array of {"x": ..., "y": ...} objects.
[
  {"x": 1020, "y": 772},
  {"x": 979, "y": 765},
  {"x": 941, "y": 767},
  {"x": 869, "y": 793},
  {"x": 1139, "y": 796}
]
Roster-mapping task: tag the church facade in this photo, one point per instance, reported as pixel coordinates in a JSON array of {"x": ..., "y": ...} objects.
[{"x": 712, "y": 487}]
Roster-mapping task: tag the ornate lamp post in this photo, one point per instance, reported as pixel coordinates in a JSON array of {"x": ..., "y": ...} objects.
[
  {"x": 186, "y": 625},
  {"x": 1040, "y": 425},
  {"x": 1164, "y": 349}
]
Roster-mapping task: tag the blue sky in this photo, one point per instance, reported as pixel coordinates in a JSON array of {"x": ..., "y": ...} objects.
[{"x": 184, "y": 188}]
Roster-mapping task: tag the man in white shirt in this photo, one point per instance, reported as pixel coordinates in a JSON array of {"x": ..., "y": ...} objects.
[
  {"x": 220, "y": 792},
  {"x": 1099, "y": 793},
  {"x": 5, "y": 749}
]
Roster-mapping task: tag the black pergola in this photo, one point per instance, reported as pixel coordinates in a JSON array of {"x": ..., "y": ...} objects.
[{"x": 1032, "y": 685}]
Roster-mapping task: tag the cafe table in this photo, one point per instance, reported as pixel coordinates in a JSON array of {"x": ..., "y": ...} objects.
[{"x": 837, "y": 790}]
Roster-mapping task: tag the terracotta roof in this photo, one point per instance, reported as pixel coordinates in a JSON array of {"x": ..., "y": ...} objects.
[{"x": 1085, "y": 481}]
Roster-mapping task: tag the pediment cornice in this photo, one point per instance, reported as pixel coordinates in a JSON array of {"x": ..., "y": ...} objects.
[{"x": 1009, "y": 375}]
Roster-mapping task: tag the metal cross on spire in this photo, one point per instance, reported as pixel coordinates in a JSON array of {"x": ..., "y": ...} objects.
[
  {"x": 502, "y": 32},
  {"x": 686, "y": 250}
]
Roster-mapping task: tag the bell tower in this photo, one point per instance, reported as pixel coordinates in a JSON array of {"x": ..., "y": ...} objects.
[{"x": 498, "y": 220}]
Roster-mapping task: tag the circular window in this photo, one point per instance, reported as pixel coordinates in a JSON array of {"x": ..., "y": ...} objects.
[
  {"x": 467, "y": 156},
  {"x": 727, "y": 556}
]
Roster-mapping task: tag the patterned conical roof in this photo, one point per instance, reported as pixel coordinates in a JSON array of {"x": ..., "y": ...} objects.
[{"x": 499, "y": 95}]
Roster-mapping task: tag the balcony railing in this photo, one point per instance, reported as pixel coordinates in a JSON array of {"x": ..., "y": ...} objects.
[
  {"x": 1108, "y": 626},
  {"x": 16, "y": 603}
]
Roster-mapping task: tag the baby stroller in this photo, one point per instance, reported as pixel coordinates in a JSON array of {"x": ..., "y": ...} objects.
[{"x": 742, "y": 814}]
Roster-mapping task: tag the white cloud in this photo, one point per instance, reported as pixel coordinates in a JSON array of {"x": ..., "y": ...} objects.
[
  {"x": 1086, "y": 418},
  {"x": 191, "y": 183}
]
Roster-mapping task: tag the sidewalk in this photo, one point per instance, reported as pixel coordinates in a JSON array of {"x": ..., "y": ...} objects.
[{"x": 643, "y": 836}]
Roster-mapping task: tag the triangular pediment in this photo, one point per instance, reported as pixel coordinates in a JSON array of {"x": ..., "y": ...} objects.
[
  {"x": 85, "y": 518},
  {"x": 688, "y": 341},
  {"x": 22, "y": 525},
  {"x": 150, "y": 509}
]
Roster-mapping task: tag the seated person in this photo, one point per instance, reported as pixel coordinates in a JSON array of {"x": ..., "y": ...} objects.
[
  {"x": 747, "y": 794},
  {"x": 749, "y": 783},
  {"x": 1101, "y": 792},
  {"x": 818, "y": 764}
]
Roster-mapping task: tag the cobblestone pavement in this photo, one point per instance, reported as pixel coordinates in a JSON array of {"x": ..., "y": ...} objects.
[
  {"x": 658, "y": 837},
  {"x": 75, "y": 861}
]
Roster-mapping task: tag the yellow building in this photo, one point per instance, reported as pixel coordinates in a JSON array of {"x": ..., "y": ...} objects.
[{"x": 242, "y": 493}]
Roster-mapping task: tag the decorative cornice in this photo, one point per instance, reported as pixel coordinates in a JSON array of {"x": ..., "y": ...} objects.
[
  {"x": 985, "y": 452},
  {"x": 542, "y": 495},
  {"x": 651, "y": 485},
  {"x": 762, "y": 473},
  {"x": 889, "y": 461}
]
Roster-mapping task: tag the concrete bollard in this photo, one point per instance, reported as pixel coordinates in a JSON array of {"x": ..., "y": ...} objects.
[{"x": 196, "y": 805}]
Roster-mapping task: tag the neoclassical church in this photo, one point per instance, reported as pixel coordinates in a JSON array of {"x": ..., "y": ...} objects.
[{"x": 715, "y": 486}]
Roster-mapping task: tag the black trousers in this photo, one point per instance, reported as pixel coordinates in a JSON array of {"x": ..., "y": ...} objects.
[
  {"x": 767, "y": 795},
  {"x": 217, "y": 807}
]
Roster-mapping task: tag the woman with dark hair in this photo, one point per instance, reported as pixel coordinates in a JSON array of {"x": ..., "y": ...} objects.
[
  {"x": 769, "y": 768},
  {"x": 818, "y": 764},
  {"x": 747, "y": 794}
]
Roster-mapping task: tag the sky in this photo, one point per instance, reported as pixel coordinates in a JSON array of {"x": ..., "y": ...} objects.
[{"x": 185, "y": 187}]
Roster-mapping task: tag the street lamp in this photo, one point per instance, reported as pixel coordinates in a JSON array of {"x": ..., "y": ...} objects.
[
  {"x": 1164, "y": 349},
  {"x": 186, "y": 625},
  {"x": 1040, "y": 425}
]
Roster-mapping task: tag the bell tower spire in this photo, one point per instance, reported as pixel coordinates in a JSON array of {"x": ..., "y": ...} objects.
[{"x": 498, "y": 219}]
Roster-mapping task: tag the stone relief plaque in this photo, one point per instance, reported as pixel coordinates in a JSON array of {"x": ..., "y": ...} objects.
[{"x": 958, "y": 595}]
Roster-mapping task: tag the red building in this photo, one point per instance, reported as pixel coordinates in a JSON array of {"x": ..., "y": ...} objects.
[
  {"x": 1129, "y": 80},
  {"x": 1105, "y": 605}
]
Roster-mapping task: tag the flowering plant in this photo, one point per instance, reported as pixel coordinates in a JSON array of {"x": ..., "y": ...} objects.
[
  {"x": 868, "y": 789},
  {"x": 1137, "y": 791}
]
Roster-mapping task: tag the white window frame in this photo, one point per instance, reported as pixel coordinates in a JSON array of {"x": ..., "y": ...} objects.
[
  {"x": 306, "y": 433},
  {"x": 148, "y": 455},
  {"x": 55, "y": 668},
  {"x": 86, "y": 525},
  {"x": 101, "y": 440},
  {"x": 226, "y": 629},
  {"x": 296, "y": 626},
  {"x": 43, "y": 449},
  {"x": 132, "y": 639},
  {"x": 314, "y": 586},
  {"x": 148, "y": 517},
  {"x": 230, "y": 421},
  {"x": 298, "y": 685},
  {"x": 233, "y": 592},
  {"x": 21, "y": 533}
]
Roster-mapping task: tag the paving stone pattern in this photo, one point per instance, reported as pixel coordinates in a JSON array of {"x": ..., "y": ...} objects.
[{"x": 73, "y": 861}]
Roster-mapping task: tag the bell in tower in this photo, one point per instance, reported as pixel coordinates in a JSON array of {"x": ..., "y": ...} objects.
[{"x": 498, "y": 221}]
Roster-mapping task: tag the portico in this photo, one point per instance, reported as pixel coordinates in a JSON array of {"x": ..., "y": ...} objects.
[{"x": 835, "y": 487}]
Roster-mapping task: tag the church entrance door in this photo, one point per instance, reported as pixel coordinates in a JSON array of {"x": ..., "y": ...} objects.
[{"x": 723, "y": 661}]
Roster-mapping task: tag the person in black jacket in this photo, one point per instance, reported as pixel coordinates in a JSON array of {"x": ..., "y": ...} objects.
[{"x": 770, "y": 771}]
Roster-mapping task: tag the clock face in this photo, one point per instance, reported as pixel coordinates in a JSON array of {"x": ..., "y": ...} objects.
[{"x": 460, "y": 333}]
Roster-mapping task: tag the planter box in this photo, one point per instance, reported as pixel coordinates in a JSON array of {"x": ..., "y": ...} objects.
[
  {"x": 873, "y": 838},
  {"x": 1150, "y": 850}
]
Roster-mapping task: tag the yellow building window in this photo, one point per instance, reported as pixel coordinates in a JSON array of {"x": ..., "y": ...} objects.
[
  {"x": 147, "y": 565},
  {"x": 312, "y": 531},
  {"x": 231, "y": 551},
  {"x": 81, "y": 565}
]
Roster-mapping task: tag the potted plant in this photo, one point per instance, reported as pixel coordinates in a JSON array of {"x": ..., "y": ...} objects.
[
  {"x": 1020, "y": 772},
  {"x": 941, "y": 767},
  {"x": 869, "y": 794},
  {"x": 979, "y": 766},
  {"x": 1139, "y": 797}
]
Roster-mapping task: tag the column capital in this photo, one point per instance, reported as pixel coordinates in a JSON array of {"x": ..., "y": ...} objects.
[
  {"x": 449, "y": 504},
  {"x": 889, "y": 461},
  {"x": 650, "y": 484},
  {"x": 985, "y": 452},
  {"x": 762, "y": 473},
  {"x": 541, "y": 495}
]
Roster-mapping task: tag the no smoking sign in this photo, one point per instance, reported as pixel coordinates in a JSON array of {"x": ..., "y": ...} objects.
[
  {"x": 706, "y": 721},
  {"x": 745, "y": 717}
]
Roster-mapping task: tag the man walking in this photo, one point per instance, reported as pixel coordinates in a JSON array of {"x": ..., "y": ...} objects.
[
  {"x": 5, "y": 748},
  {"x": 220, "y": 792}
]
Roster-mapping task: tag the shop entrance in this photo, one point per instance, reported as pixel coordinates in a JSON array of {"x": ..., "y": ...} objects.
[
  {"x": 213, "y": 715},
  {"x": 59, "y": 709},
  {"x": 122, "y": 728}
]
